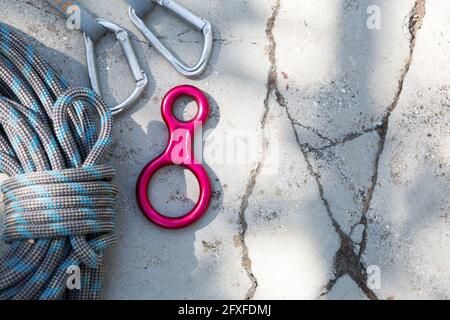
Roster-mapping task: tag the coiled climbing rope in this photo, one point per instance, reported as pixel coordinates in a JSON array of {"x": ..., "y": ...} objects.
[{"x": 58, "y": 202}]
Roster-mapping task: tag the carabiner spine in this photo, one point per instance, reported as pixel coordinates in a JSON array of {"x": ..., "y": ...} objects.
[
  {"x": 139, "y": 75},
  {"x": 131, "y": 58},
  {"x": 92, "y": 63}
]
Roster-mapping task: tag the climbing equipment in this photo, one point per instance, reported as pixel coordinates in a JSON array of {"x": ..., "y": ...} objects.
[
  {"x": 93, "y": 29},
  {"x": 138, "y": 74},
  {"x": 58, "y": 202},
  {"x": 179, "y": 151},
  {"x": 140, "y": 8}
]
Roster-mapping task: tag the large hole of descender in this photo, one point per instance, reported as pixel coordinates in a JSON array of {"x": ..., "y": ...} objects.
[
  {"x": 173, "y": 191},
  {"x": 185, "y": 109}
]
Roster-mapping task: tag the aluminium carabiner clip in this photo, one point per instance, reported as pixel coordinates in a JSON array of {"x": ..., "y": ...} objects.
[
  {"x": 139, "y": 8},
  {"x": 93, "y": 29},
  {"x": 139, "y": 75}
]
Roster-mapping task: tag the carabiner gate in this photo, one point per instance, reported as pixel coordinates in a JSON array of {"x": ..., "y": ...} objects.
[
  {"x": 197, "y": 22},
  {"x": 139, "y": 75}
]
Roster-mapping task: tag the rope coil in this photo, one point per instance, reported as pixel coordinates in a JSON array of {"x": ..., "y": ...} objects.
[{"x": 58, "y": 202}]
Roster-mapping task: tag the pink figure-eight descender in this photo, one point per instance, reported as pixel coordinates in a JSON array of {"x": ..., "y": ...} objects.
[{"x": 179, "y": 151}]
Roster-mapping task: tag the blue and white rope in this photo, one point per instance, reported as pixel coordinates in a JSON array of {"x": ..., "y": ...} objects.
[{"x": 58, "y": 202}]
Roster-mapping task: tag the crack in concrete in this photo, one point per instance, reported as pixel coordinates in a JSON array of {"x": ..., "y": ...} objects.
[
  {"x": 246, "y": 261},
  {"x": 415, "y": 21},
  {"x": 270, "y": 87},
  {"x": 416, "y": 16},
  {"x": 333, "y": 143},
  {"x": 315, "y": 131},
  {"x": 346, "y": 261}
]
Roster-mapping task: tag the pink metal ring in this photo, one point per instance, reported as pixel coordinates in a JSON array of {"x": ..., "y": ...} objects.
[{"x": 179, "y": 151}]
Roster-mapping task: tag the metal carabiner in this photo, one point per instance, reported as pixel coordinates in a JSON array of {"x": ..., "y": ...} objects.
[
  {"x": 139, "y": 75},
  {"x": 197, "y": 22}
]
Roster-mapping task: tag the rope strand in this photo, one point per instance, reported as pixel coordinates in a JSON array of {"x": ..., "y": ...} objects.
[{"x": 58, "y": 202}]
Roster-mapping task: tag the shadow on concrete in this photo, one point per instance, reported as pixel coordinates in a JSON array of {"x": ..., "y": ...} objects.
[
  {"x": 156, "y": 137},
  {"x": 133, "y": 148}
]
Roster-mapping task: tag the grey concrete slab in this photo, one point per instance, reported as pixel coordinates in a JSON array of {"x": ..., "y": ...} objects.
[
  {"x": 345, "y": 174},
  {"x": 327, "y": 146},
  {"x": 290, "y": 238},
  {"x": 408, "y": 229},
  {"x": 345, "y": 289},
  {"x": 344, "y": 74}
]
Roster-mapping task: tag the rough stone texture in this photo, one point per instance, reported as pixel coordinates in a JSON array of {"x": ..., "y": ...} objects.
[
  {"x": 345, "y": 175},
  {"x": 408, "y": 218},
  {"x": 328, "y": 148},
  {"x": 290, "y": 238},
  {"x": 202, "y": 261},
  {"x": 344, "y": 75},
  {"x": 346, "y": 289}
]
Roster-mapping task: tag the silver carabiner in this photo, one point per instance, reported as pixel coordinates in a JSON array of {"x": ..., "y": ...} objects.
[
  {"x": 139, "y": 75},
  {"x": 199, "y": 23}
]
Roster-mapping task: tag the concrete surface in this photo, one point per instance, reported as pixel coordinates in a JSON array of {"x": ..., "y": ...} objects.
[{"x": 328, "y": 147}]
